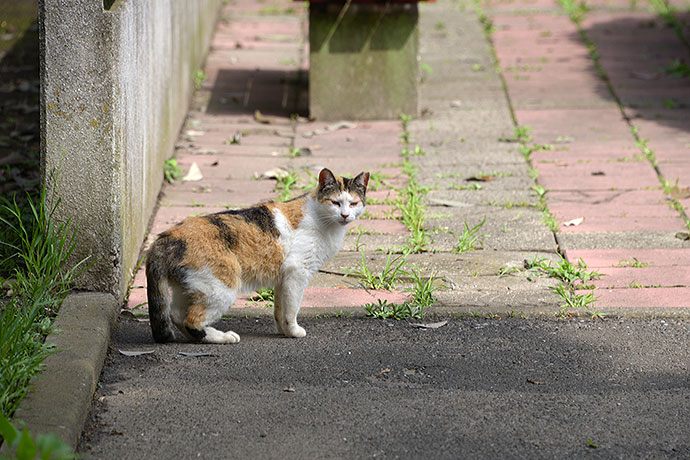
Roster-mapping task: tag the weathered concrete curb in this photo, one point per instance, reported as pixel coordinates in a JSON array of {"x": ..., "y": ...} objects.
[{"x": 61, "y": 396}]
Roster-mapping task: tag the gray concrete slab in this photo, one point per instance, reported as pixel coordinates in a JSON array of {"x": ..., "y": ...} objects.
[{"x": 518, "y": 229}]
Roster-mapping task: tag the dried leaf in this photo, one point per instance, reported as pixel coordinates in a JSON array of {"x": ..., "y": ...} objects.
[
  {"x": 536, "y": 382},
  {"x": 194, "y": 133},
  {"x": 449, "y": 203},
  {"x": 275, "y": 173},
  {"x": 194, "y": 174},
  {"x": 258, "y": 116},
  {"x": 647, "y": 76},
  {"x": 205, "y": 152},
  {"x": 289, "y": 389},
  {"x": 383, "y": 371},
  {"x": 195, "y": 354},
  {"x": 574, "y": 222},
  {"x": 333, "y": 127},
  {"x": 484, "y": 178},
  {"x": 136, "y": 353},
  {"x": 685, "y": 236},
  {"x": 430, "y": 325},
  {"x": 680, "y": 193}
]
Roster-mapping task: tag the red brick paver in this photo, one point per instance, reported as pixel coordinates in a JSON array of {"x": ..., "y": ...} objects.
[{"x": 597, "y": 170}]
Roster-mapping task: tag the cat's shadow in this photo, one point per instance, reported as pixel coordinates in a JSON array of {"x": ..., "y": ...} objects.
[{"x": 130, "y": 332}]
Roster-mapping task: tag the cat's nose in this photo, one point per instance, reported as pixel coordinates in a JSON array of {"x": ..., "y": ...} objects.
[{"x": 344, "y": 216}]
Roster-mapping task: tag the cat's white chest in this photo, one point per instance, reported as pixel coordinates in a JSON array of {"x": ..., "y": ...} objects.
[{"x": 311, "y": 244}]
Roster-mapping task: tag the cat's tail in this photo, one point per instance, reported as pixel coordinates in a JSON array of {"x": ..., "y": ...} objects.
[{"x": 158, "y": 298}]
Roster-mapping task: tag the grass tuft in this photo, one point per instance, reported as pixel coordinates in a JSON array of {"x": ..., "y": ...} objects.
[
  {"x": 41, "y": 281},
  {"x": 469, "y": 239},
  {"x": 387, "y": 279}
]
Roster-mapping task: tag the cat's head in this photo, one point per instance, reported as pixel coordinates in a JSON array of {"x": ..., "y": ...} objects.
[{"x": 341, "y": 200}]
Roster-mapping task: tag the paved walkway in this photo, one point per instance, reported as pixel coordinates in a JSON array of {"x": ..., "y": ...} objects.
[{"x": 248, "y": 119}]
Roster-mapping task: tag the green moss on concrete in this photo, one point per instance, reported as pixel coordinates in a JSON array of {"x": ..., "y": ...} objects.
[{"x": 365, "y": 66}]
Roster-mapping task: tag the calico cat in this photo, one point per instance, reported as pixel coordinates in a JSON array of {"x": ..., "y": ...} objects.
[{"x": 205, "y": 262}]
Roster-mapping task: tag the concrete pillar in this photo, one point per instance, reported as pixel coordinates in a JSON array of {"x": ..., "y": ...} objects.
[
  {"x": 363, "y": 63},
  {"x": 115, "y": 87}
]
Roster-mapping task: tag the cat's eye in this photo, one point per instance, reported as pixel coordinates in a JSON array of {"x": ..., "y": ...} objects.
[
  {"x": 335, "y": 203},
  {"x": 353, "y": 204}
]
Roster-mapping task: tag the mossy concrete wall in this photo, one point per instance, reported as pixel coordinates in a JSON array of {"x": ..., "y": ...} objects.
[
  {"x": 115, "y": 87},
  {"x": 363, "y": 63}
]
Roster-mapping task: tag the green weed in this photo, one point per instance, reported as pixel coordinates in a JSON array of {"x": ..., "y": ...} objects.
[
  {"x": 264, "y": 297},
  {"x": 410, "y": 204},
  {"x": 632, "y": 262},
  {"x": 521, "y": 134},
  {"x": 171, "y": 170},
  {"x": 678, "y": 68},
  {"x": 377, "y": 181},
  {"x": 41, "y": 282},
  {"x": 417, "y": 151},
  {"x": 285, "y": 185},
  {"x": 423, "y": 289},
  {"x": 469, "y": 239},
  {"x": 23, "y": 446},
  {"x": 199, "y": 78},
  {"x": 384, "y": 310},
  {"x": 563, "y": 270},
  {"x": 571, "y": 300},
  {"x": 575, "y": 10}
]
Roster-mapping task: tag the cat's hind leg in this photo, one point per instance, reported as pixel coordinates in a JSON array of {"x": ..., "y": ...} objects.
[
  {"x": 206, "y": 307},
  {"x": 196, "y": 325}
]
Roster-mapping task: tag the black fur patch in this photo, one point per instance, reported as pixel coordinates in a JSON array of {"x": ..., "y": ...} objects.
[
  {"x": 197, "y": 334},
  {"x": 333, "y": 188},
  {"x": 174, "y": 249},
  {"x": 353, "y": 187},
  {"x": 226, "y": 234},
  {"x": 260, "y": 216}
]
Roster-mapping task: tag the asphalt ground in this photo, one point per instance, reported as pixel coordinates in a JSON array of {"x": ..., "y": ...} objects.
[{"x": 365, "y": 388}]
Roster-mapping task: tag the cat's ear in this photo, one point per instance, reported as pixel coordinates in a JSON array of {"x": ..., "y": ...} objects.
[
  {"x": 326, "y": 179},
  {"x": 362, "y": 180}
]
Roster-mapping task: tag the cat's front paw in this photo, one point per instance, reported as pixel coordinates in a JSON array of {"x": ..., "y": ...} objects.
[{"x": 294, "y": 331}]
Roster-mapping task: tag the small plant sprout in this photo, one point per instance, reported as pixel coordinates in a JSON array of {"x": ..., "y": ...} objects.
[
  {"x": 199, "y": 78},
  {"x": 23, "y": 445},
  {"x": 426, "y": 68},
  {"x": 285, "y": 184},
  {"x": 678, "y": 68},
  {"x": 469, "y": 239},
  {"x": 422, "y": 291},
  {"x": 564, "y": 271},
  {"x": 521, "y": 134},
  {"x": 540, "y": 191},
  {"x": 171, "y": 170},
  {"x": 632, "y": 262},
  {"x": 377, "y": 181},
  {"x": 263, "y": 298}
]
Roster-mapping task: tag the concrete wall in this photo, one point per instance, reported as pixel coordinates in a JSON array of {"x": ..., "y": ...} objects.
[{"x": 115, "y": 87}]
